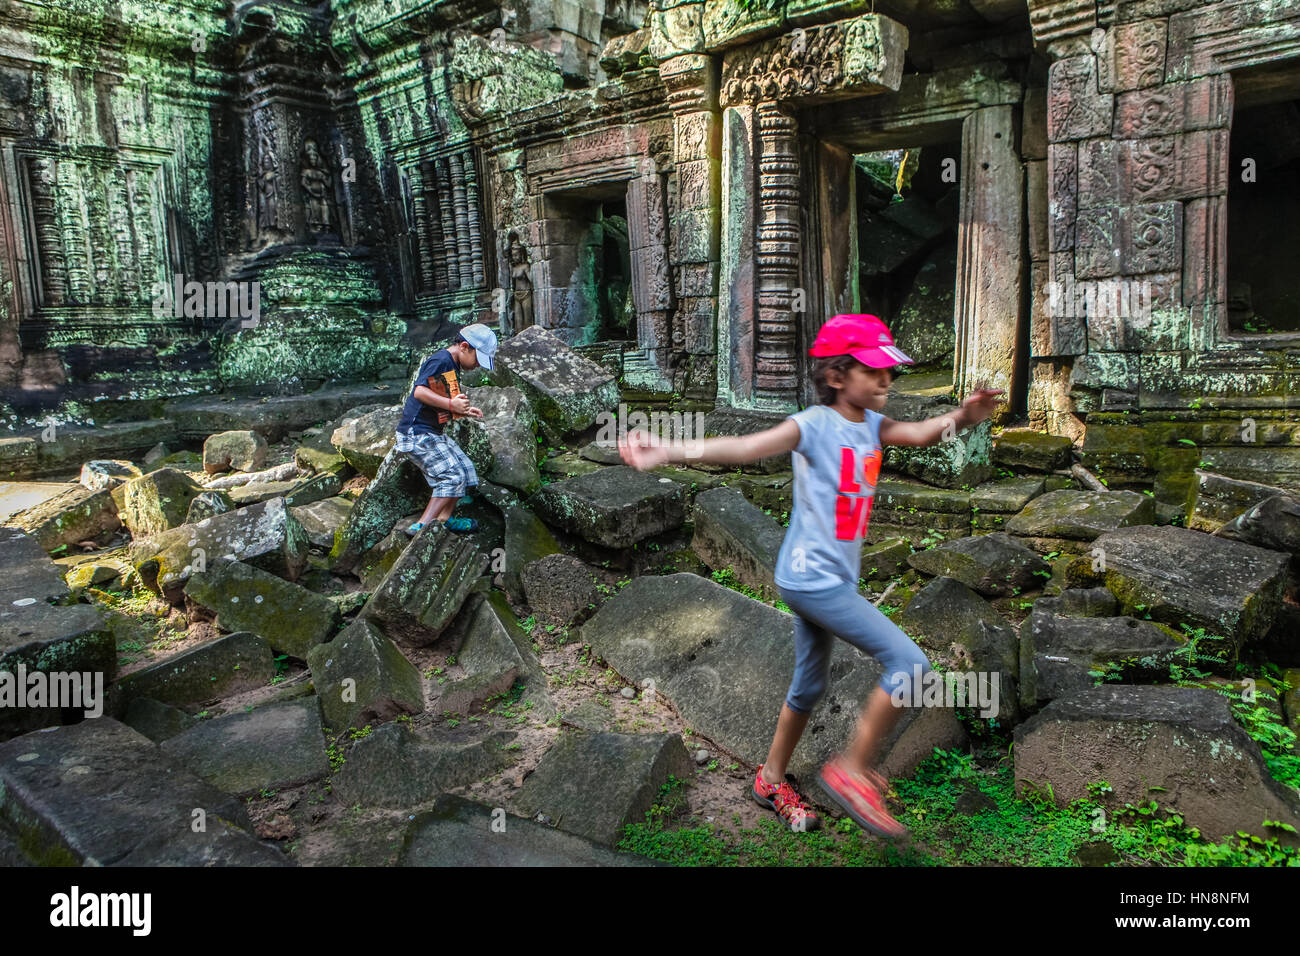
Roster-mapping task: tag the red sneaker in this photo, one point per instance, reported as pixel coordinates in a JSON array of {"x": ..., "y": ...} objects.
[
  {"x": 788, "y": 805},
  {"x": 860, "y": 798}
]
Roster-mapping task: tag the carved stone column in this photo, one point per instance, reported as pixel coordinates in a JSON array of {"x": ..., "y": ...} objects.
[{"x": 777, "y": 253}]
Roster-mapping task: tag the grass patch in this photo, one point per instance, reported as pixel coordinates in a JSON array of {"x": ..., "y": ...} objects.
[{"x": 961, "y": 812}]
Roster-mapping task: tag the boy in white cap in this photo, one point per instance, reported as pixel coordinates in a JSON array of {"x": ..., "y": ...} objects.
[{"x": 435, "y": 399}]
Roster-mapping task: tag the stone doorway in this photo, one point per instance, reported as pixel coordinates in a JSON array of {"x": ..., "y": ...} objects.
[{"x": 591, "y": 264}]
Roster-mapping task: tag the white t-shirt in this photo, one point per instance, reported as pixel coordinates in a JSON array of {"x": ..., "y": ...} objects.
[{"x": 836, "y": 466}]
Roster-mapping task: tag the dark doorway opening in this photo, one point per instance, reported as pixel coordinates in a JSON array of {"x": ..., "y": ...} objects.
[
  {"x": 1263, "y": 293},
  {"x": 908, "y": 206}
]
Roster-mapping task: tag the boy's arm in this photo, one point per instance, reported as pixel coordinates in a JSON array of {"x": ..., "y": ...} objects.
[
  {"x": 427, "y": 396},
  {"x": 729, "y": 450}
]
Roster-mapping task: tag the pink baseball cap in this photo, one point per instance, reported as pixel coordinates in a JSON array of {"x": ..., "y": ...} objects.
[{"x": 864, "y": 337}]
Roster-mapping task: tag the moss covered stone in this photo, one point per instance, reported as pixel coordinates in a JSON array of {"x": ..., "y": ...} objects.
[
  {"x": 361, "y": 677},
  {"x": 292, "y": 619},
  {"x": 157, "y": 501}
]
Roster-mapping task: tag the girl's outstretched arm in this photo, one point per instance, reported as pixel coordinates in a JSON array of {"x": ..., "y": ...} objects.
[
  {"x": 978, "y": 406},
  {"x": 643, "y": 451}
]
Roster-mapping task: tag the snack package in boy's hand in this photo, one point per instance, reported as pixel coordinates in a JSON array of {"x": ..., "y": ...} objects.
[{"x": 447, "y": 385}]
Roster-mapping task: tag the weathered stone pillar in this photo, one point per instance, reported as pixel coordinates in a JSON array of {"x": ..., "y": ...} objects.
[
  {"x": 652, "y": 292},
  {"x": 777, "y": 253},
  {"x": 989, "y": 259},
  {"x": 691, "y": 81}
]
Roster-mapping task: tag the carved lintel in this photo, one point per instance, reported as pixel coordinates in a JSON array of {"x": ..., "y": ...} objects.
[{"x": 834, "y": 60}]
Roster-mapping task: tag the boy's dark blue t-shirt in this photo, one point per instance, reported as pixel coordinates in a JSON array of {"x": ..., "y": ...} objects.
[{"x": 418, "y": 417}]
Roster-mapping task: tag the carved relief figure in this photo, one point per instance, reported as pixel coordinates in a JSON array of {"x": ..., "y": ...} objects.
[
  {"x": 268, "y": 186},
  {"x": 521, "y": 285},
  {"x": 316, "y": 186}
]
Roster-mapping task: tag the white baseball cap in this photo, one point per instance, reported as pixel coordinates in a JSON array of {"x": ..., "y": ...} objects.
[{"x": 484, "y": 341}]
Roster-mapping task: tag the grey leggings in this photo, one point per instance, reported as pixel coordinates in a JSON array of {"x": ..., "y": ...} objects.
[{"x": 842, "y": 611}]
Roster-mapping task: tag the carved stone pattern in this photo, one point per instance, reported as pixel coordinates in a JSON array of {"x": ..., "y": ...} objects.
[
  {"x": 801, "y": 64},
  {"x": 95, "y": 232},
  {"x": 461, "y": 218},
  {"x": 776, "y": 251},
  {"x": 49, "y": 242},
  {"x": 1153, "y": 166},
  {"x": 447, "y": 222}
]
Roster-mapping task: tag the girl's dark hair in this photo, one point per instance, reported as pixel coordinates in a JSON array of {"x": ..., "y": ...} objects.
[{"x": 842, "y": 363}]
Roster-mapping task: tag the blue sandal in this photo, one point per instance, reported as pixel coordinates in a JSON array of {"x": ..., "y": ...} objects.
[
  {"x": 415, "y": 529},
  {"x": 462, "y": 525}
]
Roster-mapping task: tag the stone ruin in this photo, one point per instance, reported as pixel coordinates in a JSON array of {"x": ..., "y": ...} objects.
[{"x": 240, "y": 229}]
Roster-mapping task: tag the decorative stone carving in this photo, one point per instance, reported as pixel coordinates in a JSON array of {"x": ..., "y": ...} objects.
[
  {"x": 521, "y": 286},
  {"x": 831, "y": 61},
  {"x": 267, "y": 182},
  {"x": 318, "y": 189}
]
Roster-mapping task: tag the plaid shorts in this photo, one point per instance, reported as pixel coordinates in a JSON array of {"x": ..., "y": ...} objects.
[{"x": 446, "y": 468}]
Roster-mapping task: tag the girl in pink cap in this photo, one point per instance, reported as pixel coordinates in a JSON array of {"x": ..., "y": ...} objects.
[{"x": 837, "y": 452}]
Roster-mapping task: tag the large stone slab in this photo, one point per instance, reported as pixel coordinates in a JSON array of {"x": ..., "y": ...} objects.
[
  {"x": 614, "y": 507},
  {"x": 426, "y": 586},
  {"x": 993, "y": 503},
  {"x": 74, "y": 641},
  {"x": 560, "y": 589},
  {"x": 270, "y": 747},
  {"x": 1031, "y": 449},
  {"x": 1081, "y": 515},
  {"x": 566, "y": 390},
  {"x": 1060, "y": 653},
  {"x": 489, "y": 657},
  {"x": 106, "y": 473},
  {"x": 1274, "y": 524},
  {"x": 157, "y": 501},
  {"x": 292, "y": 619},
  {"x": 398, "y": 489},
  {"x": 1181, "y": 740},
  {"x": 527, "y": 539},
  {"x": 458, "y": 832},
  {"x": 394, "y": 767},
  {"x": 1179, "y": 576},
  {"x": 1214, "y": 499},
  {"x": 99, "y": 794},
  {"x": 531, "y": 674},
  {"x": 725, "y": 662},
  {"x": 321, "y": 519},
  {"x": 273, "y": 416},
  {"x": 502, "y": 449},
  {"x": 364, "y": 440},
  {"x": 993, "y": 565},
  {"x": 949, "y": 618},
  {"x": 264, "y": 535},
  {"x": 910, "y": 510},
  {"x": 45, "y": 637},
  {"x": 595, "y": 784},
  {"x": 27, "y": 575},
  {"x": 220, "y": 668},
  {"x": 362, "y": 678},
  {"x": 71, "y": 447},
  {"x": 78, "y": 514},
  {"x": 732, "y": 533}
]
